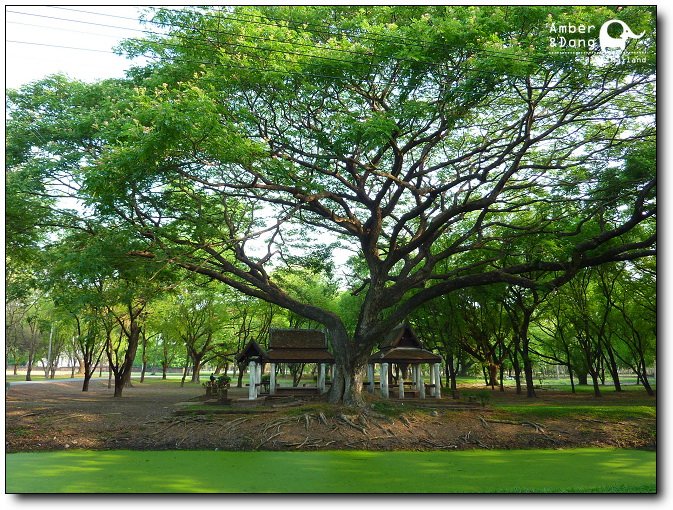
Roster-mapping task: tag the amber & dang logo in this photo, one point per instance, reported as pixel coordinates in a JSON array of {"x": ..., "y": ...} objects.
[{"x": 609, "y": 41}]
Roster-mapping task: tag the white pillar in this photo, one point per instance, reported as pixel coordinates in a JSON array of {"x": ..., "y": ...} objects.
[
  {"x": 252, "y": 368},
  {"x": 321, "y": 378},
  {"x": 272, "y": 379},
  {"x": 401, "y": 385},
  {"x": 370, "y": 377},
  {"x": 433, "y": 392},
  {"x": 421, "y": 383},
  {"x": 438, "y": 384},
  {"x": 384, "y": 380}
]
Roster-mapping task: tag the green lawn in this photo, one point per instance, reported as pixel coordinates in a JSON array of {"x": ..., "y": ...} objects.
[
  {"x": 612, "y": 412},
  {"x": 481, "y": 471}
]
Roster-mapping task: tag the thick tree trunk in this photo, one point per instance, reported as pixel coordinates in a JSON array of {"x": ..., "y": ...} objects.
[
  {"x": 119, "y": 384},
  {"x": 349, "y": 370},
  {"x": 517, "y": 370},
  {"x": 612, "y": 368},
  {"x": 593, "y": 372},
  {"x": 528, "y": 372},
  {"x": 492, "y": 374},
  {"x": 80, "y": 368},
  {"x": 347, "y": 382},
  {"x": 89, "y": 371},
  {"x": 450, "y": 373},
  {"x": 29, "y": 368},
  {"x": 196, "y": 369},
  {"x": 123, "y": 373},
  {"x": 527, "y": 368},
  {"x": 643, "y": 376},
  {"x": 85, "y": 384}
]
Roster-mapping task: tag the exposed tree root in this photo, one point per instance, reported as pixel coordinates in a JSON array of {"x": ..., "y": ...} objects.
[
  {"x": 268, "y": 439},
  {"x": 350, "y": 422}
]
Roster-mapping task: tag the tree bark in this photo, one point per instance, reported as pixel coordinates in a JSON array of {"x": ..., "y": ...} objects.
[
  {"x": 612, "y": 367},
  {"x": 29, "y": 367},
  {"x": 349, "y": 370},
  {"x": 517, "y": 367},
  {"x": 196, "y": 368},
  {"x": 643, "y": 376},
  {"x": 122, "y": 375}
]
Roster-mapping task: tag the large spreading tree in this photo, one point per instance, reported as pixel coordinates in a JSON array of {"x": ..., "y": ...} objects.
[{"x": 445, "y": 147}]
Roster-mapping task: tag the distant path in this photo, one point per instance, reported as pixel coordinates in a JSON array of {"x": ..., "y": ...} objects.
[{"x": 42, "y": 381}]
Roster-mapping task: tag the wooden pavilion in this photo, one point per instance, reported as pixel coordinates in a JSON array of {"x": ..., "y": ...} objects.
[
  {"x": 254, "y": 356},
  {"x": 286, "y": 346},
  {"x": 402, "y": 349}
]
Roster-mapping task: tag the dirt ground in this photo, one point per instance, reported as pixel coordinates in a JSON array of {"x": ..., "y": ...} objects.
[{"x": 157, "y": 416}]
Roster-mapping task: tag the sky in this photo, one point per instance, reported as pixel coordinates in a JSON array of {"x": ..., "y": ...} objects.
[{"x": 74, "y": 40}]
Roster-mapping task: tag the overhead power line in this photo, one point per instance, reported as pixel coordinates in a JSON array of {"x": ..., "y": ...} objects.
[
  {"x": 208, "y": 44},
  {"x": 220, "y": 16},
  {"x": 303, "y": 74},
  {"x": 196, "y": 62},
  {"x": 58, "y": 46}
]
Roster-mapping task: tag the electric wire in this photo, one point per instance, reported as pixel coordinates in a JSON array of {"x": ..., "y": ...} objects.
[
  {"x": 208, "y": 44},
  {"x": 229, "y": 17}
]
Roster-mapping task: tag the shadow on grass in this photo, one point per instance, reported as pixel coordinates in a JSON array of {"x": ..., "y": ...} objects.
[{"x": 507, "y": 471}]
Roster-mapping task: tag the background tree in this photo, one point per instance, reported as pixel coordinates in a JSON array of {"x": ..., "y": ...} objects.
[
  {"x": 441, "y": 327},
  {"x": 199, "y": 316}
]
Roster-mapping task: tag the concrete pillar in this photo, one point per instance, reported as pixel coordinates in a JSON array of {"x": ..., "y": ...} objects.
[
  {"x": 321, "y": 378},
  {"x": 417, "y": 375},
  {"x": 438, "y": 384},
  {"x": 401, "y": 385},
  {"x": 433, "y": 392},
  {"x": 384, "y": 380},
  {"x": 370, "y": 377},
  {"x": 252, "y": 389},
  {"x": 421, "y": 383},
  {"x": 272, "y": 379}
]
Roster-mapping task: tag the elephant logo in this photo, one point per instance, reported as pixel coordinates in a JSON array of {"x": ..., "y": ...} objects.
[{"x": 609, "y": 42}]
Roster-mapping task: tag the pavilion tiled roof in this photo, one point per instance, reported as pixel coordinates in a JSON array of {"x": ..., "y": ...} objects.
[
  {"x": 298, "y": 346},
  {"x": 251, "y": 350},
  {"x": 404, "y": 355},
  {"x": 401, "y": 345},
  {"x": 299, "y": 356}
]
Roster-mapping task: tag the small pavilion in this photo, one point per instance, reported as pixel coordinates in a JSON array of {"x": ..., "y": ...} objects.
[
  {"x": 402, "y": 349},
  {"x": 254, "y": 356},
  {"x": 286, "y": 346}
]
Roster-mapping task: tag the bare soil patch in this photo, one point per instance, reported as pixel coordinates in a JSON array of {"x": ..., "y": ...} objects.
[{"x": 161, "y": 415}]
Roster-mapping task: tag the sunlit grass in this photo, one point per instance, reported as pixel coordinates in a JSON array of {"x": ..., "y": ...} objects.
[
  {"x": 588, "y": 410},
  {"x": 481, "y": 471}
]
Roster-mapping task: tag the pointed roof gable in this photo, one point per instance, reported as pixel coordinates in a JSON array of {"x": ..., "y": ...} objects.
[
  {"x": 402, "y": 345},
  {"x": 401, "y": 336},
  {"x": 252, "y": 350}
]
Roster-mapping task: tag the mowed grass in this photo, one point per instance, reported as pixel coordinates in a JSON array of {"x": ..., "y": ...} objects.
[
  {"x": 587, "y": 470},
  {"x": 592, "y": 411}
]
